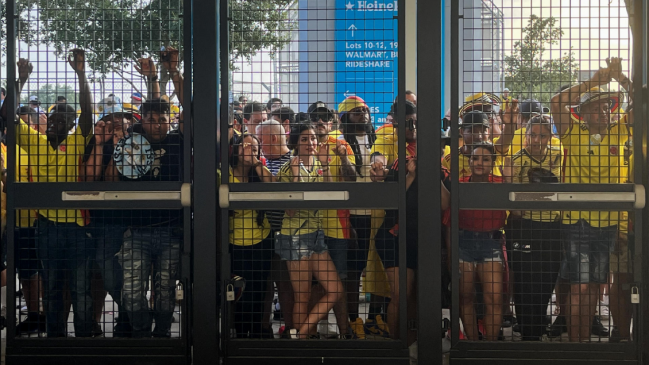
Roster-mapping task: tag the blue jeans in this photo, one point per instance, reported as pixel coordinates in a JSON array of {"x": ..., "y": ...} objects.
[
  {"x": 143, "y": 247},
  {"x": 480, "y": 247},
  {"x": 109, "y": 238},
  {"x": 587, "y": 252},
  {"x": 65, "y": 251}
]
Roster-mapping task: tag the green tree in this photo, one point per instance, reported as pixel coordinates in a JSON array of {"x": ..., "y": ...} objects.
[
  {"x": 48, "y": 93},
  {"x": 529, "y": 73},
  {"x": 118, "y": 32}
]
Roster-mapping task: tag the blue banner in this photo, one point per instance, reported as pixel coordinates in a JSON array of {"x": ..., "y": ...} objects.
[{"x": 366, "y": 54}]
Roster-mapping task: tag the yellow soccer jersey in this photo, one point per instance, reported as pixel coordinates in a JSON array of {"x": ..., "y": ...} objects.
[
  {"x": 24, "y": 218},
  {"x": 518, "y": 142},
  {"x": 387, "y": 144},
  {"x": 590, "y": 162},
  {"x": 244, "y": 230},
  {"x": 465, "y": 169},
  {"x": 526, "y": 169},
  {"x": 335, "y": 223},
  {"x": 60, "y": 164},
  {"x": 303, "y": 221}
]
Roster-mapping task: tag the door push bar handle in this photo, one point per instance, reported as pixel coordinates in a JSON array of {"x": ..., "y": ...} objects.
[
  {"x": 225, "y": 196},
  {"x": 184, "y": 195},
  {"x": 637, "y": 197}
]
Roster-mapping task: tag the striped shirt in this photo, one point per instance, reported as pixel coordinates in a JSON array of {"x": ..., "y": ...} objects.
[{"x": 275, "y": 217}]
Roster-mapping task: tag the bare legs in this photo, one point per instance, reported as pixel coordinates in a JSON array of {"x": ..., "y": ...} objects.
[
  {"x": 393, "y": 307},
  {"x": 322, "y": 268},
  {"x": 581, "y": 309},
  {"x": 620, "y": 304},
  {"x": 491, "y": 277}
]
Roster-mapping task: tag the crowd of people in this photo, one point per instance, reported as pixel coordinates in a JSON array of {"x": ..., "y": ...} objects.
[
  {"x": 315, "y": 260},
  {"x": 75, "y": 257}
]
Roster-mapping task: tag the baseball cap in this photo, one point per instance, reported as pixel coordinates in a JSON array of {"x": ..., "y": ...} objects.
[
  {"x": 505, "y": 90},
  {"x": 318, "y": 106},
  {"x": 34, "y": 99},
  {"x": 318, "y": 109},
  {"x": 136, "y": 96},
  {"x": 531, "y": 106},
  {"x": 111, "y": 105},
  {"x": 475, "y": 118}
]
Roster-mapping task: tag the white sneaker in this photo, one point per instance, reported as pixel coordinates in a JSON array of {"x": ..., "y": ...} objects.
[{"x": 413, "y": 353}]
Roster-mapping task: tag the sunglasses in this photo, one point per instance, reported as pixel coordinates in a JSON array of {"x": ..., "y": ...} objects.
[
  {"x": 325, "y": 117},
  {"x": 410, "y": 124}
]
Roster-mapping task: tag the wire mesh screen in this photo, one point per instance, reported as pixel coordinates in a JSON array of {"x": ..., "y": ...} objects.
[
  {"x": 313, "y": 101},
  {"x": 100, "y": 95},
  {"x": 300, "y": 273},
  {"x": 546, "y": 98}
]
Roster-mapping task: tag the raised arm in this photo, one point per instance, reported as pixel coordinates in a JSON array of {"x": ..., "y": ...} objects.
[
  {"x": 560, "y": 103},
  {"x": 78, "y": 63},
  {"x": 170, "y": 61},
  {"x": 25, "y": 69},
  {"x": 615, "y": 68},
  {"x": 323, "y": 156},
  {"x": 509, "y": 118},
  {"x": 346, "y": 170},
  {"x": 92, "y": 168},
  {"x": 146, "y": 68}
]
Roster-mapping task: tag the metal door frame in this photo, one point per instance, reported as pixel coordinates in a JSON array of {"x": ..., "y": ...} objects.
[
  {"x": 360, "y": 196},
  {"x": 21, "y": 350},
  {"x": 497, "y": 196}
]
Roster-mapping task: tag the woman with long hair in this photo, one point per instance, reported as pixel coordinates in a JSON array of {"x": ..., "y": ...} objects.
[
  {"x": 251, "y": 245},
  {"x": 301, "y": 240},
  {"x": 480, "y": 251}
]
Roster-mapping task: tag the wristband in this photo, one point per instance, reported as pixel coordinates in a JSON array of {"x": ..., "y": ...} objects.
[{"x": 154, "y": 78}]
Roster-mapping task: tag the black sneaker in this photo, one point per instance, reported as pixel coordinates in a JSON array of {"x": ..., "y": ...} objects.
[
  {"x": 27, "y": 326},
  {"x": 508, "y": 321},
  {"x": 598, "y": 328},
  {"x": 123, "y": 330},
  {"x": 96, "y": 330},
  {"x": 34, "y": 323},
  {"x": 557, "y": 328}
]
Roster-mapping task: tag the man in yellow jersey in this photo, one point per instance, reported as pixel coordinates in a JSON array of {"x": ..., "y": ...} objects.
[
  {"x": 335, "y": 223},
  {"x": 595, "y": 141},
  {"x": 62, "y": 242},
  {"x": 487, "y": 103},
  {"x": 386, "y": 148},
  {"x": 28, "y": 266}
]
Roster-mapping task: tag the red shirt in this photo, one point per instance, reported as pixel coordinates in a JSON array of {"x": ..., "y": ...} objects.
[{"x": 479, "y": 220}]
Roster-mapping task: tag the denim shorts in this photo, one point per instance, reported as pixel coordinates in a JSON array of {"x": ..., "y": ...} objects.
[
  {"x": 587, "y": 251},
  {"x": 297, "y": 247},
  {"x": 338, "y": 251},
  {"x": 480, "y": 247}
]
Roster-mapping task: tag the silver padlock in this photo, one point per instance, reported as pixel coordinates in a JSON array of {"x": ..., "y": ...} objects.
[
  {"x": 230, "y": 292},
  {"x": 635, "y": 295},
  {"x": 180, "y": 293}
]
